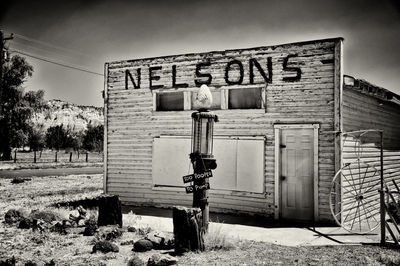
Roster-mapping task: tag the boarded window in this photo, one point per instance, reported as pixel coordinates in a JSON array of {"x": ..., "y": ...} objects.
[
  {"x": 216, "y": 105},
  {"x": 170, "y": 101},
  {"x": 247, "y": 98},
  {"x": 170, "y": 161},
  {"x": 240, "y": 163}
]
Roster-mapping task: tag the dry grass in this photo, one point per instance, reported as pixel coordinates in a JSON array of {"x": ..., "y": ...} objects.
[
  {"x": 258, "y": 253},
  {"x": 216, "y": 239},
  {"x": 71, "y": 249},
  {"x": 38, "y": 194},
  {"x": 76, "y": 249}
]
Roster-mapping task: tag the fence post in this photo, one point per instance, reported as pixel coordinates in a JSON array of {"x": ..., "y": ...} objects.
[
  {"x": 15, "y": 156},
  {"x": 87, "y": 157},
  {"x": 55, "y": 160},
  {"x": 70, "y": 157},
  {"x": 382, "y": 196},
  {"x": 34, "y": 156}
]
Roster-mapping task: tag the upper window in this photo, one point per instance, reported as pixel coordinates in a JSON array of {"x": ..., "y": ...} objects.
[
  {"x": 223, "y": 99},
  {"x": 170, "y": 101},
  {"x": 247, "y": 98}
]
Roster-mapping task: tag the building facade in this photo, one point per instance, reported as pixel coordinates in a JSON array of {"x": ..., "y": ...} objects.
[{"x": 277, "y": 144}]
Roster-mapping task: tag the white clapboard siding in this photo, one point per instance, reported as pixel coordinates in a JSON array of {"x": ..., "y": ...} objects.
[
  {"x": 363, "y": 174},
  {"x": 362, "y": 111},
  {"x": 132, "y": 124}
]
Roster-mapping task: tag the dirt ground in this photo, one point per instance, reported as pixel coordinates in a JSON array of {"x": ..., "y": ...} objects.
[{"x": 75, "y": 249}]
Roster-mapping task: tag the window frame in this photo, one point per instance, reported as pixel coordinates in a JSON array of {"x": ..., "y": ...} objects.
[
  {"x": 224, "y": 91},
  {"x": 219, "y": 191}
]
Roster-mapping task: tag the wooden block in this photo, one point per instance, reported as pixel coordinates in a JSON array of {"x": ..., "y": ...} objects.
[{"x": 187, "y": 229}]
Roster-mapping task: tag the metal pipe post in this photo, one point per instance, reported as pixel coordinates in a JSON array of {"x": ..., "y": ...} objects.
[{"x": 382, "y": 197}]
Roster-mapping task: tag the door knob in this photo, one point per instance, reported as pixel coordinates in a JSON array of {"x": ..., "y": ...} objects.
[{"x": 283, "y": 178}]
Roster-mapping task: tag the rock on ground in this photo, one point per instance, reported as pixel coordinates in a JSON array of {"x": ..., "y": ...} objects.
[
  {"x": 13, "y": 216},
  {"x": 160, "y": 240},
  {"x": 8, "y": 262},
  {"x": 132, "y": 229},
  {"x": 105, "y": 247},
  {"x": 143, "y": 245},
  {"x": 112, "y": 233},
  {"x": 162, "y": 260},
  {"x": 25, "y": 223}
]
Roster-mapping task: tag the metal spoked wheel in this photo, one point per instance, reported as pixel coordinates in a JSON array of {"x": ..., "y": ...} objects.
[{"x": 354, "y": 197}]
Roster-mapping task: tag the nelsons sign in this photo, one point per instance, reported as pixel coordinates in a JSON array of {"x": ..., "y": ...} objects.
[{"x": 221, "y": 71}]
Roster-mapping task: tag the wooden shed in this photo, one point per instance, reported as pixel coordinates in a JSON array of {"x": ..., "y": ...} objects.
[{"x": 277, "y": 144}]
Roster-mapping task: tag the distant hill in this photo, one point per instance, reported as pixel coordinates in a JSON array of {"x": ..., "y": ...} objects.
[{"x": 72, "y": 116}]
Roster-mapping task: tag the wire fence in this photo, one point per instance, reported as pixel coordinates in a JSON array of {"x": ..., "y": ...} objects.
[{"x": 61, "y": 156}]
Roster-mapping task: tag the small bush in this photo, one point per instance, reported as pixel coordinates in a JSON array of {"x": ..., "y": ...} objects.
[
  {"x": 46, "y": 215},
  {"x": 19, "y": 180},
  {"x": 215, "y": 239},
  {"x": 136, "y": 261},
  {"x": 132, "y": 219}
]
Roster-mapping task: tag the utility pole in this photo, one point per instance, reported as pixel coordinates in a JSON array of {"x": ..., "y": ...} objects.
[
  {"x": 3, "y": 125},
  {"x": 1, "y": 68},
  {"x": 2, "y": 42}
]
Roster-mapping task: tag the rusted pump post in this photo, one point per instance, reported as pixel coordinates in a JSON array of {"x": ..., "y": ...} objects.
[
  {"x": 203, "y": 160},
  {"x": 191, "y": 224}
]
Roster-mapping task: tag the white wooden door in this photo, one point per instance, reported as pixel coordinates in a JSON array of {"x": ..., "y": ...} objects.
[{"x": 297, "y": 200}]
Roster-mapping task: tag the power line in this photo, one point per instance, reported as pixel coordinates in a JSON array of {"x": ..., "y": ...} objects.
[
  {"x": 19, "y": 36},
  {"x": 57, "y": 63}
]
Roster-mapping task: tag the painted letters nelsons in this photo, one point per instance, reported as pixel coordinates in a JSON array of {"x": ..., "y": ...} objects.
[{"x": 233, "y": 74}]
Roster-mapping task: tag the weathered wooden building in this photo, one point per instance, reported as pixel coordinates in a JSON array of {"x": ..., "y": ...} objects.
[{"x": 277, "y": 148}]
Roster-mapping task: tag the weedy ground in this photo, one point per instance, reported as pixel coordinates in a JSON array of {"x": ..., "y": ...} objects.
[{"x": 75, "y": 249}]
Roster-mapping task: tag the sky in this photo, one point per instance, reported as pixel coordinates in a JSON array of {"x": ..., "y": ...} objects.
[{"x": 86, "y": 34}]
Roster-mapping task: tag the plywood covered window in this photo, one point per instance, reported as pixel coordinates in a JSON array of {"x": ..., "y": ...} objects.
[
  {"x": 170, "y": 101},
  {"x": 240, "y": 163}
]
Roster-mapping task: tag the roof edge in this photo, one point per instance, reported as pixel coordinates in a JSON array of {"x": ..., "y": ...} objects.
[
  {"x": 334, "y": 39},
  {"x": 370, "y": 89}
]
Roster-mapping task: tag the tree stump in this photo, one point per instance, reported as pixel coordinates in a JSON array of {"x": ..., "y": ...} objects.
[
  {"x": 109, "y": 210},
  {"x": 187, "y": 229}
]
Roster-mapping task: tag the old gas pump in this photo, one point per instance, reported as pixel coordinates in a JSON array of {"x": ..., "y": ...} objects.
[
  {"x": 191, "y": 224},
  {"x": 202, "y": 157}
]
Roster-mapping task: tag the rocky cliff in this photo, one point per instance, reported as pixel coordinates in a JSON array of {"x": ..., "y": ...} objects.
[{"x": 74, "y": 117}]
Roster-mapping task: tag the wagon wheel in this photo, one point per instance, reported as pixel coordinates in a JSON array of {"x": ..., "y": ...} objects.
[{"x": 354, "y": 197}]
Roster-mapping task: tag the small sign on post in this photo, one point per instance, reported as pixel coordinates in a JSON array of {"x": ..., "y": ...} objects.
[
  {"x": 197, "y": 176},
  {"x": 194, "y": 188}
]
